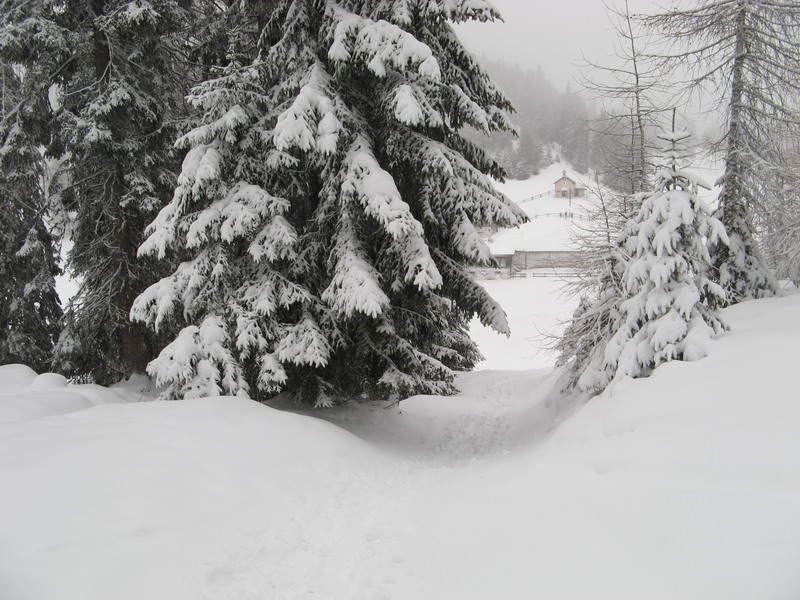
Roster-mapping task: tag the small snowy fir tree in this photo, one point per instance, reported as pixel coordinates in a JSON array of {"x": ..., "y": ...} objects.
[
  {"x": 598, "y": 272},
  {"x": 30, "y": 312},
  {"x": 328, "y": 203},
  {"x": 667, "y": 309},
  {"x": 580, "y": 348}
]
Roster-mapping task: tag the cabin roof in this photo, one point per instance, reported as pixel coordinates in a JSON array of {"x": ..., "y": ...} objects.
[
  {"x": 564, "y": 177},
  {"x": 577, "y": 185}
]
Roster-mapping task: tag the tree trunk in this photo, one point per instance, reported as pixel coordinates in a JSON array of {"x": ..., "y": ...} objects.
[
  {"x": 733, "y": 163},
  {"x": 133, "y": 347}
]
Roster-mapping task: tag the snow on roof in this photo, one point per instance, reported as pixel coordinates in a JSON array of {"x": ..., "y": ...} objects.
[{"x": 567, "y": 177}]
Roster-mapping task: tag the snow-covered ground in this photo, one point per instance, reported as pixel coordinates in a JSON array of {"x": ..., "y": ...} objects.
[
  {"x": 684, "y": 485},
  {"x": 536, "y": 310},
  {"x": 552, "y": 220}
]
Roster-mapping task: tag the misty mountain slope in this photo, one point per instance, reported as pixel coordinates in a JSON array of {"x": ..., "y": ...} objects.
[{"x": 552, "y": 123}]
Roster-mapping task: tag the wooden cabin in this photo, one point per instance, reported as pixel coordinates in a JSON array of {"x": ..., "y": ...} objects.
[{"x": 568, "y": 188}]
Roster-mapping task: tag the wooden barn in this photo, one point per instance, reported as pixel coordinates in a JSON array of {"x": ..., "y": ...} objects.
[
  {"x": 517, "y": 263},
  {"x": 522, "y": 260},
  {"x": 568, "y": 188}
]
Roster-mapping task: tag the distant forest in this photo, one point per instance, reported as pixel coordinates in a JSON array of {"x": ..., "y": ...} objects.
[{"x": 552, "y": 124}]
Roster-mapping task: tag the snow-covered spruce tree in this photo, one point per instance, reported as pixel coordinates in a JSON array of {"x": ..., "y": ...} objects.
[
  {"x": 668, "y": 304},
  {"x": 329, "y": 202},
  {"x": 30, "y": 312},
  {"x": 106, "y": 103},
  {"x": 748, "y": 53},
  {"x": 627, "y": 88}
]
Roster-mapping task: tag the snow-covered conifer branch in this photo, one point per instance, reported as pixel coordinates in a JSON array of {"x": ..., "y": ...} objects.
[{"x": 378, "y": 45}]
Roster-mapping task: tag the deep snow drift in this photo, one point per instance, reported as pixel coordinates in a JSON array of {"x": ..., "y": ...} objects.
[{"x": 683, "y": 485}]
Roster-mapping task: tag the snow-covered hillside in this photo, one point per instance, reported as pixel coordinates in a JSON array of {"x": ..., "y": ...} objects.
[
  {"x": 536, "y": 308},
  {"x": 684, "y": 485},
  {"x": 553, "y": 220}
]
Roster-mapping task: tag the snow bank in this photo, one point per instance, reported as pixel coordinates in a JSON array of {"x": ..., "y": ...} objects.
[
  {"x": 25, "y": 395},
  {"x": 141, "y": 500},
  {"x": 683, "y": 485}
]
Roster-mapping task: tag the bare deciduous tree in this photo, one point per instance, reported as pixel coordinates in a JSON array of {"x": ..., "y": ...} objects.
[
  {"x": 630, "y": 92},
  {"x": 746, "y": 54}
]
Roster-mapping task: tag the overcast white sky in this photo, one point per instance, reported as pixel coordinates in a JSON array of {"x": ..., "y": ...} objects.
[{"x": 548, "y": 33}]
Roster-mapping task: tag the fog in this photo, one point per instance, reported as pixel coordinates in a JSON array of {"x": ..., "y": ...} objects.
[
  {"x": 547, "y": 34},
  {"x": 555, "y": 35}
]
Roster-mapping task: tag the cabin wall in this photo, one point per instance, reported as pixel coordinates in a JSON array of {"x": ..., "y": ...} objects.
[
  {"x": 564, "y": 183},
  {"x": 522, "y": 261}
]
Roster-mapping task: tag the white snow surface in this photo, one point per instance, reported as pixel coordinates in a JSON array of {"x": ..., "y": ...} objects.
[
  {"x": 536, "y": 310},
  {"x": 684, "y": 485},
  {"x": 549, "y": 227}
]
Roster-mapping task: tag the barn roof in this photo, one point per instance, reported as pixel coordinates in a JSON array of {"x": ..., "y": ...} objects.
[
  {"x": 577, "y": 185},
  {"x": 564, "y": 176}
]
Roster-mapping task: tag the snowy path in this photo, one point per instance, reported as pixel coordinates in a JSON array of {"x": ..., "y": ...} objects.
[{"x": 346, "y": 538}]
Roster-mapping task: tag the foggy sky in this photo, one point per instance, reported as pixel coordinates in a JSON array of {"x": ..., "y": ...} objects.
[{"x": 547, "y": 33}]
